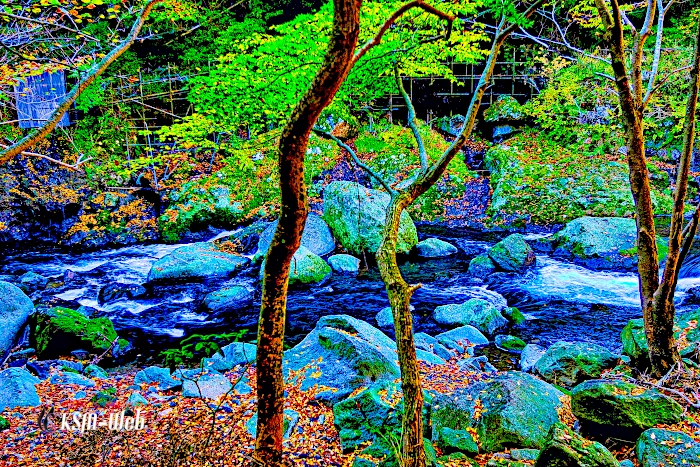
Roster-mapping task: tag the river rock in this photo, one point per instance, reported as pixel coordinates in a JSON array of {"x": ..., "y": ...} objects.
[
  {"x": 17, "y": 389},
  {"x": 94, "y": 371},
  {"x": 317, "y": 237},
  {"x": 478, "y": 364},
  {"x": 344, "y": 353},
  {"x": 512, "y": 254},
  {"x": 206, "y": 386},
  {"x": 462, "y": 339},
  {"x": 564, "y": 447},
  {"x": 435, "y": 248},
  {"x": 15, "y": 309},
  {"x": 665, "y": 448},
  {"x": 306, "y": 268},
  {"x": 136, "y": 399},
  {"x": 69, "y": 378},
  {"x": 344, "y": 264},
  {"x": 511, "y": 409},
  {"x": 357, "y": 215},
  {"x": 232, "y": 355},
  {"x": 450, "y": 440},
  {"x": 475, "y": 312},
  {"x": 385, "y": 318},
  {"x": 601, "y": 243},
  {"x": 58, "y": 331},
  {"x": 31, "y": 282},
  {"x": 244, "y": 241},
  {"x": 634, "y": 339},
  {"x": 621, "y": 409},
  {"x": 155, "y": 374},
  {"x": 481, "y": 266},
  {"x": 570, "y": 363},
  {"x": 229, "y": 299},
  {"x": 428, "y": 343},
  {"x": 530, "y": 356},
  {"x": 509, "y": 343},
  {"x": 196, "y": 262},
  {"x": 118, "y": 290}
]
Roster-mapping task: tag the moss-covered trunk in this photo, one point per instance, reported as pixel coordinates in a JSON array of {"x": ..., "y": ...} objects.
[
  {"x": 287, "y": 237},
  {"x": 412, "y": 451}
]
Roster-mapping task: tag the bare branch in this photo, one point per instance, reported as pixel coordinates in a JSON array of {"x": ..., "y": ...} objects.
[
  {"x": 47, "y": 23},
  {"x": 663, "y": 81},
  {"x": 75, "y": 167},
  {"x": 357, "y": 160},
  {"x": 412, "y": 121}
]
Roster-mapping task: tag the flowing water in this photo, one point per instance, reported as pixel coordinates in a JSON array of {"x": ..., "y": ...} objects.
[{"x": 560, "y": 300}]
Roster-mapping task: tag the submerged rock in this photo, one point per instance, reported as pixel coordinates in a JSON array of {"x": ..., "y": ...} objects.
[
  {"x": 509, "y": 343},
  {"x": 228, "y": 299},
  {"x": 530, "y": 356},
  {"x": 317, "y": 237},
  {"x": 17, "y": 389},
  {"x": 15, "y": 309},
  {"x": 570, "y": 363},
  {"x": 511, "y": 409},
  {"x": 481, "y": 266},
  {"x": 344, "y": 264},
  {"x": 621, "y": 409},
  {"x": 343, "y": 353},
  {"x": 196, "y": 262},
  {"x": 435, "y": 248},
  {"x": 357, "y": 215},
  {"x": 117, "y": 290},
  {"x": 564, "y": 447},
  {"x": 665, "y": 448},
  {"x": 512, "y": 254},
  {"x": 31, "y": 281},
  {"x": 475, "y": 312}
]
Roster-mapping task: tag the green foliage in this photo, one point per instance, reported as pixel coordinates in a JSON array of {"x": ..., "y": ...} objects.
[{"x": 196, "y": 347}]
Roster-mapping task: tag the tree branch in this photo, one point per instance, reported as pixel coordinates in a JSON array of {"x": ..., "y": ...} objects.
[
  {"x": 357, "y": 160},
  {"x": 39, "y": 133},
  {"x": 663, "y": 81},
  {"x": 47, "y": 23},
  {"x": 377, "y": 39},
  {"x": 412, "y": 121}
]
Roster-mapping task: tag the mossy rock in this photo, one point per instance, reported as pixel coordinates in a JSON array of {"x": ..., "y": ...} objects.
[
  {"x": 634, "y": 340},
  {"x": 570, "y": 363},
  {"x": 665, "y": 448},
  {"x": 481, "y": 266},
  {"x": 621, "y": 409},
  {"x": 512, "y": 254},
  {"x": 565, "y": 448},
  {"x": 59, "y": 330},
  {"x": 4, "y": 424}
]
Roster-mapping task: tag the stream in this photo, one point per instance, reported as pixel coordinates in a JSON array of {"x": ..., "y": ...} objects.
[{"x": 559, "y": 299}]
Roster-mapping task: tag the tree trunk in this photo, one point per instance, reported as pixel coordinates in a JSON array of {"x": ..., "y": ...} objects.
[
  {"x": 412, "y": 451},
  {"x": 287, "y": 237}
]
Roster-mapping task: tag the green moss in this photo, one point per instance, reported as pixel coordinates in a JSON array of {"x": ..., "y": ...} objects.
[
  {"x": 4, "y": 424},
  {"x": 513, "y": 315},
  {"x": 96, "y": 333}
]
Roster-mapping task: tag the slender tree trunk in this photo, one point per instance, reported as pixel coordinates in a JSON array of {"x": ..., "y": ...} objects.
[
  {"x": 287, "y": 237},
  {"x": 412, "y": 450},
  {"x": 663, "y": 305}
]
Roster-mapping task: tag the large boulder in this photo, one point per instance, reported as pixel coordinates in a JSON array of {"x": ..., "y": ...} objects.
[
  {"x": 512, "y": 254},
  {"x": 428, "y": 343},
  {"x": 462, "y": 339},
  {"x": 475, "y": 312},
  {"x": 59, "y": 331},
  {"x": 306, "y": 268},
  {"x": 232, "y": 298},
  {"x": 686, "y": 333},
  {"x": 600, "y": 243},
  {"x": 435, "y": 248},
  {"x": 317, "y": 237},
  {"x": 566, "y": 448},
  {"x": 159, "y": 376},
  {"x": 17, "y": 389},
  {"x": 621, "y": 408},
  {"x": 511, "y": 409},
  {"x": 196, "y": 262},
  {"x": 665, "y": 448},
  {"x": 15, "y": 309},
  {"x": 357, "y": 215},
  {"x": 232, "y": 355},
  {"x": 570, "y": 363},
  {"x": 206, "y": 386},
  {"x": 344, "y": 264},
  {"x": 342, "y": 354}
]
